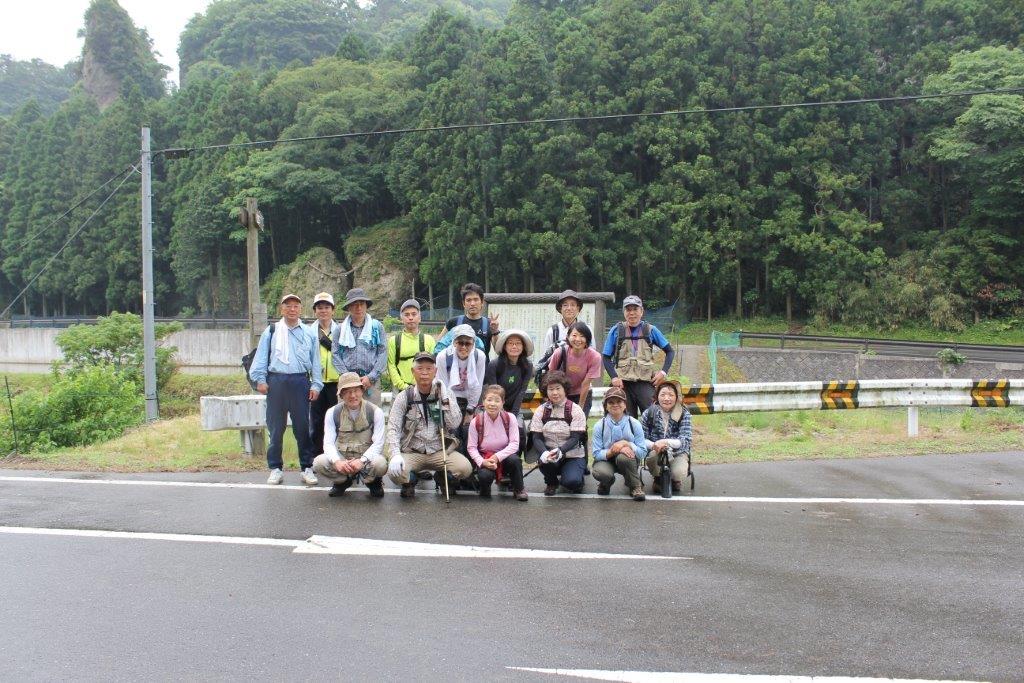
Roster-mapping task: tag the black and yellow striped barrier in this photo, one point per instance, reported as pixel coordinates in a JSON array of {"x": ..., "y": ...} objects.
[
  {"x": 839, "y": 395},
  {"x": 699, "y": 399},
  {"x": 990, "y": 393}
]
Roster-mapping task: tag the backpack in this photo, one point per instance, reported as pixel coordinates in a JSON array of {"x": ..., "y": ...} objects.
[
  {"x": 367, "y": 410},
  {"x": 446, "y": 340},
  {"x": 545, "y": 415},
  {"x": 542, "y": 364},
  {"x": 478, "y": 421},
  {"x": 248, "y": 358},
  {"x": 398, "y": 347},
  {"x": 645, "y": 334}
]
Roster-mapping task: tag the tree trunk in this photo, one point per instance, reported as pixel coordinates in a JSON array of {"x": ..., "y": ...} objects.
[
  {"x": 629, "y": 278},
  {"x": 430, "y": 295},
  {"x": 789, "y": 306},
  {"x": 709, "y": 303},
  {"x": 739, "y": 289}
]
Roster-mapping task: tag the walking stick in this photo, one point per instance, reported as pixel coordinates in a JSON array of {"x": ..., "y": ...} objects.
[{"x": 444, "y": 452}]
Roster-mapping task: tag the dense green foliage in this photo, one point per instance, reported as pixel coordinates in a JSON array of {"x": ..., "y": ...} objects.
[
  {"x": 878, "y": 215},
  {"x": 116, "y": 341},
  {"x": 21, "y": 81}
]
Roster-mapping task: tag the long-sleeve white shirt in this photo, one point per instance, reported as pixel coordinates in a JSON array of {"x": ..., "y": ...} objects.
[
  {"x": 451, "y": 379},
  {"x": 331, "y": 433}
]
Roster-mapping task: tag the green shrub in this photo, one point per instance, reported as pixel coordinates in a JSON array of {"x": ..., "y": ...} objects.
[
  {"x": 93, "y": 404},
  {"x": 116, "y": 340}
]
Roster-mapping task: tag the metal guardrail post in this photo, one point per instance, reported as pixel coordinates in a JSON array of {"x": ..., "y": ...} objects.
[{"x": 912, "y": 423}]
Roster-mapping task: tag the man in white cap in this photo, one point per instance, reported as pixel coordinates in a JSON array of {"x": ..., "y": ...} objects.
[
  {"x": 462, "y": 367},
  {"x": 629, "y": 356},
  {"x": 323, "y": 329},
  {"x": 286, "y": 369},
  {"x": 353, "y": 442},
  {"x": 360, "y": 344},
  {"x": 404, "y": 346}
]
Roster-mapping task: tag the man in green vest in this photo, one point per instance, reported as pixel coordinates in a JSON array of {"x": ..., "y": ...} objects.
[
  {"x": 353, "y": 442},
  {"x": 404, "y": 346}
]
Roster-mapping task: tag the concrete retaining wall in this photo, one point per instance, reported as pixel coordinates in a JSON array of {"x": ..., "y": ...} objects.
[{"x": 778, "y": 365}]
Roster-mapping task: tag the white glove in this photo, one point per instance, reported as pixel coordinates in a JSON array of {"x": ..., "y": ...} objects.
[
  {"x": 557, "y": 455},
  {"x": 397, "y": 466},
  {"x": 545, "y": 457}
]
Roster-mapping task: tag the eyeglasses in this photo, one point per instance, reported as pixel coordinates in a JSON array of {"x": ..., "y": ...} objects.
[{"x": 463, "y": 343}]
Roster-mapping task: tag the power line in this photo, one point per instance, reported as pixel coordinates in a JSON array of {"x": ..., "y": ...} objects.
[
  {"x": 81, "y": 227},
  {"x": 28, "y": 238},
  {"x": 176, "y": 152}
]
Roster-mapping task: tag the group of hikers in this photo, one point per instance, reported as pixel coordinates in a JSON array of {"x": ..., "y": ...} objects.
[{"x": 456, "y": 411}]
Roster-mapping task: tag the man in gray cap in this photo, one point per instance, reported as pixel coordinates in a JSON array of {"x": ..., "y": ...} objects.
[
  {"x": 406, "y": 344},
  {"x": 360, "y": 344},
  {"x": 629, "y": 356}
]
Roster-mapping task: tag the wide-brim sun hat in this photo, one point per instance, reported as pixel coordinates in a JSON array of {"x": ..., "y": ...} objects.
[
  {"x": 356, "y": 294},
  {"x": 499, "y": 345},
  {"x": 567, "y": 294}
]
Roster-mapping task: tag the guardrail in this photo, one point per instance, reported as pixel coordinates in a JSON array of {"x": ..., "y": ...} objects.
[
  {"x": 995, "y": 353},
  {"x": 248, "y": 413}
]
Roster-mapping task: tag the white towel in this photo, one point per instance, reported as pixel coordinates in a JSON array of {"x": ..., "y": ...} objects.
[
  {"x": 348, "y": 340},
  {"x": 282, "y": 348},
  {"x": 471, "y": 373}
]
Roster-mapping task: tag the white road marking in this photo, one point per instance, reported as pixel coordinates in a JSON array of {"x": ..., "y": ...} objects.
[
  {"x": 150, "y": 536},
  {"x": 988, "y": 502},
  {"x": 335, "y": 545},
  {"x": 673, "y": 677},
  {"x": 339, "y": 545}
]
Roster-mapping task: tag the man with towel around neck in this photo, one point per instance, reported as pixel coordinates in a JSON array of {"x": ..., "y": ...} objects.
[
  {"x": 360, "y": 344},
  {"x": 286, "y": 369}
]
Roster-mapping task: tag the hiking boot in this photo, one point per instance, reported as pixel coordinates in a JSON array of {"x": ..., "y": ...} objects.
[
  {"x": 521, "y": 494},
  {"x": 550, "y": 490},
  {"x": 657, "y": 485},
  {"x": 485, "y": 491},
  {"x": 408, "y": 490},
  {"x": 339, "y": 488},
  {"x": 276, "y": 476},
  {"x": 638, "y": 493},
  {"x": 604, "y": 489},
  {"x": 376, "y": 489},
  {"x": 677, "y": 486},
  {"x": 308, "y": 478}
]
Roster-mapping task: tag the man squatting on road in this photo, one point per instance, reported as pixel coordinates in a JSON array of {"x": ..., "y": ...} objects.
[
  {"x": 353, "y": 442},
  {"x": 413, "y": 430}
]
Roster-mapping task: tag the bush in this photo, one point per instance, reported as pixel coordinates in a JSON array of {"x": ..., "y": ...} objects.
[
  {"x": 93, "y": 404},
  {"x": 116, "y": 341}
]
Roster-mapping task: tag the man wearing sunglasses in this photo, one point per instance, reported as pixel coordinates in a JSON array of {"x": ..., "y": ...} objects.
[{"x": 461, "y": 368}]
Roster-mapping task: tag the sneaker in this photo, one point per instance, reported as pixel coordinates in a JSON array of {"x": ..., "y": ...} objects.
[
  {"x": 522, "y": 495},
  {"x": 376, "y": 489},
  {"x": 408, "y": 490},
  {"x": 550, "y": 490},
  {"x": 604, "y": 489},
  {"x": 638, "y": 493},
  {"x": 339, "y": 488},
  {"x": 308, "y": 478},
  {"x": 276, "y": 476}
]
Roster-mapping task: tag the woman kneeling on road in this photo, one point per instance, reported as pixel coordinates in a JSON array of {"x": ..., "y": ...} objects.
[
  {"x": 559, "y": 429},
  {"x": 619, "y": 444},
  {"x": 494, "y": 445},
  {"x": 667, "y": 428}
]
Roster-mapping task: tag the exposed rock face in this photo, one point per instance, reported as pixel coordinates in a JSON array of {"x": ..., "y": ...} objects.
[
  {"x": 317, "y": 270},
  {"x": 104, "y": 87},
  {"x": 383, "y": 263}
]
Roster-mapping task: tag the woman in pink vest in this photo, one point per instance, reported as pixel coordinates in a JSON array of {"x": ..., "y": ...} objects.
[{"x": 493, "y": 444}]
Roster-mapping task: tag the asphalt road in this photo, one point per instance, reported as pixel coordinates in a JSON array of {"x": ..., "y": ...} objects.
[{"x": 768, "y": 583}]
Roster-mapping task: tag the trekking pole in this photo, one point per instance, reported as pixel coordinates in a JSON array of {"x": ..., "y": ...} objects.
[{"x": 444, "y": 452}]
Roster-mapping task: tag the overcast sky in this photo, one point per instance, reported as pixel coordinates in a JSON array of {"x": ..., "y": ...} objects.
[{"x": 48, "y": 29}]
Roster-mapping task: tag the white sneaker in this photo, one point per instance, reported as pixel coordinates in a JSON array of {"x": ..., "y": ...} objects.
[
  {"x": 276, "y": 476},
  {"x": 308, "y": 478}
]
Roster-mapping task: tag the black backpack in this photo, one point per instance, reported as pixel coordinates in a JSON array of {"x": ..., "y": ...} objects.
[
  {"x": 542, "y": 364},
  {"x": 398, "y": 347},
  {"x": 248, "y": 358}
]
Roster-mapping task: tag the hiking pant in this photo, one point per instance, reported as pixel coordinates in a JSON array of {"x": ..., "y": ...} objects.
[
  {"x": 459, "y": 465},
  {"x": 679, "y": 464},
  {"x": 323, "y": 467},
  {"x": 571, "y": 471},
  {"x": 327, "y": 399},
  {"x": 639, "y": 397},
  {"x": 288, "y": 394},
  {"x": 513, "y": 468},
  {"x": 585, "y": 405},
  {"x": 604, "y": 471}
]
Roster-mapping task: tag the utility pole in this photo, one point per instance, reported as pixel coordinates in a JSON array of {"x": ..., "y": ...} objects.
[
  {"x": 148, "y": 305},
  {"x": 252, "y": 220}
]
